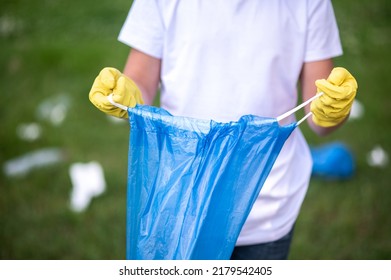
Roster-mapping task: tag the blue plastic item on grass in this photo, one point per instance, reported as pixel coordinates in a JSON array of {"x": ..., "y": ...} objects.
[
  {"x": 332, "y": 161},
  {"x": 192, "y": 183}
]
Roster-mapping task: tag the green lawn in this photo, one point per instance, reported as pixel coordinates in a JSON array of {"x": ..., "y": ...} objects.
[{"x": 54, "y": 49}]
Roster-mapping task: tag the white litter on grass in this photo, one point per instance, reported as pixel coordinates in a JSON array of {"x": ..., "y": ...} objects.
[
  {"x": 29, "y": 131},
  {"x": 24, "y": 164},
  {"x": 88, "y": 181},
  {"x": 377, "y": 157},
  {"x": 8, "y": 25},
  {"x": 357, "y": 111},
  {"x": 54, "y": 109}
]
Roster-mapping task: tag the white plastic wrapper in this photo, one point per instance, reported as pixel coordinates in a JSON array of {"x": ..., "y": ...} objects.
[
  {"x": 88, "y": 182},
  {"x": 24, "y": 164},
  {"x": 377, "y": 157},
  {"x": 54, "y": 109},
  {"x": 357, "y": 111},
  {"x": 29, "y": 131}
]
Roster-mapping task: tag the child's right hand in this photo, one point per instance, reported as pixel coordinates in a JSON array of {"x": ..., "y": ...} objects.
[{"x": 123, "y": 89}]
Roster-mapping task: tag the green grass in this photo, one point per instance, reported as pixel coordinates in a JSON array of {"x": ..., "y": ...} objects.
[
  {"x": 350, "y": 219},
  {"x": 53, "y": 48}
]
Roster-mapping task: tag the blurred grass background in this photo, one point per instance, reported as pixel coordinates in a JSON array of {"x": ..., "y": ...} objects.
[{"x": 54, "y": 49}]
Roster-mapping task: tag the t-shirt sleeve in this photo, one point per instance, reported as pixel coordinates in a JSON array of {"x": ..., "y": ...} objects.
[
  {"x": 323, "y": 39},
  {"x": 143, "y": 28}
]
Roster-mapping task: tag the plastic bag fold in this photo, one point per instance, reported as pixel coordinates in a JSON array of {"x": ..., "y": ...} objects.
[{"x": 192, "y": 183}]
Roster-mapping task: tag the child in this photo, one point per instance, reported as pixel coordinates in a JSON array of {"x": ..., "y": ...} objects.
[{"x": 223, "y": 59}]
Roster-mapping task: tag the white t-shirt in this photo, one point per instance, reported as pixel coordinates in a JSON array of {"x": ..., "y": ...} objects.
[{"x": 224, "y": 59}]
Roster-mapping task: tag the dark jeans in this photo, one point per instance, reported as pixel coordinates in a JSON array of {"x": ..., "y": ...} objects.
[{"x": 276, "y": 250}]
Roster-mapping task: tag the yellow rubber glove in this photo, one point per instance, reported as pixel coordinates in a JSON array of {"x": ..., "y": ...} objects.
[
  {"x": 334, "y": 105},
  {"x": 124, "y": 90}
]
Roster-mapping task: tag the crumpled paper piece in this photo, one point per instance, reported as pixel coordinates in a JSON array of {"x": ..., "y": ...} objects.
[{"x": 88, "y": 182}]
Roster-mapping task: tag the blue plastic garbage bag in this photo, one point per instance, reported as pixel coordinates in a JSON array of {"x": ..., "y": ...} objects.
[
  {"x": 332, "y": 161},
  {"x": 192, "y": 183}
]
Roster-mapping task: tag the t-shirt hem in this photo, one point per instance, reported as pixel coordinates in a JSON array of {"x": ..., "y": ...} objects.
[
  {"x": 141, "y": 46},
  {"x": 316, "y": 57}
]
